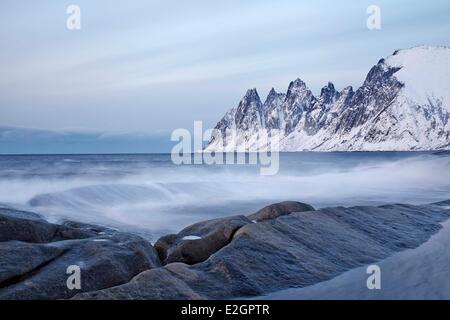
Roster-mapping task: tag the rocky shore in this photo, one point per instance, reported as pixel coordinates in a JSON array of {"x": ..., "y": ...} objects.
[{"x": 289, "y": 244}]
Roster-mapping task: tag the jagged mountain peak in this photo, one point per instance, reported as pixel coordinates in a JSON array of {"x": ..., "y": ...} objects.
[
  {"x": 273, "y": 110},
  {"x": 252, "y": 94},
  {"x": 298, "y": 92},
  {"x": 299, "y": 100},
  {"x": 272, "y": 92},
  {"x": 273, "y": 95},
  {"x": 296, "y": 85},
  {"x": 328, "y": 93},
  {"x": 344, "y": 98},
  {"x": 329, "y": 86},
  {"x": 249, "y": 112},
  {"x": 346, "y": 90}
]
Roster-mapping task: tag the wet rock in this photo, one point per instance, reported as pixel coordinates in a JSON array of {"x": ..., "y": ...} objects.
[
  {"x": 198, "y": 241},
  {"x": 30, "y": 227},
  {"x": 280, "y": 209},
  {"x": 35, "y": 255},
  {"x": 20, "y": 258},
  {"x": 154, "y": 284}
]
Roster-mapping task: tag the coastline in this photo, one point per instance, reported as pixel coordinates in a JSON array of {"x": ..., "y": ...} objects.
[{"x": 283, "y": 245}]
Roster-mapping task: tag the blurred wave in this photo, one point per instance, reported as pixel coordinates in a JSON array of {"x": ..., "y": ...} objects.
[{"x": 149, "y": 192}]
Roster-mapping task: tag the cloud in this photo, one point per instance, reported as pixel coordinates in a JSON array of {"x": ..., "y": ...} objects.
[{"x": 158, "y": 65}]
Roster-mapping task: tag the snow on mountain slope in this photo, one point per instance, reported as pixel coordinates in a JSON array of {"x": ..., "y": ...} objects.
[
  {"x": 425, "y": 71},
  {"x": 403, "y": 104}
]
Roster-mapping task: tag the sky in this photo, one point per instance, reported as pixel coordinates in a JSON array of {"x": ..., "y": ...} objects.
[{"x": 147, "y": 67}]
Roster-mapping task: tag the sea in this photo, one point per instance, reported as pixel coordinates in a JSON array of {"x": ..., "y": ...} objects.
[{"x": 150, "y": 195}]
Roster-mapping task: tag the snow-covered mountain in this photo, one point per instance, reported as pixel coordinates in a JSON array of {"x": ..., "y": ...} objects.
[{"x": 403, "y": 104}]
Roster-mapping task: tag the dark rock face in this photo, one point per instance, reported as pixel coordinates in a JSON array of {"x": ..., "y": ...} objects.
[
  {"x": 378, "y": 91},
  {"x": 293, "y": 250},
  {"x": 328, "y": 94},
  {"x": 273, "y": 109},
  {"x": 35, "y": 255},
  {"x": 199, "y": 241},
  {"x": 29, "y": 227},
  {"x": 249, "y": 111},
  {"x": 299, "y": 100},
  {"x": 280, "y": 209}
]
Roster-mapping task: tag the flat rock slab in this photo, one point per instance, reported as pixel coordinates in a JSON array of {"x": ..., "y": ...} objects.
[{"x": 295, "y": 250}]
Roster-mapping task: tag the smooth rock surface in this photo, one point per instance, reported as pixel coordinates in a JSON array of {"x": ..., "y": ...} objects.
[
  {"x": 199, "y": 241},
  {"x": 295, "y": 250},
  {"x": 414, "y": 274},
  {"x": 280, "y": 209}
]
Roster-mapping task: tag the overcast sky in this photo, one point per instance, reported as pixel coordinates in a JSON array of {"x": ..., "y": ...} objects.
[{"x": 153, "y": 66}]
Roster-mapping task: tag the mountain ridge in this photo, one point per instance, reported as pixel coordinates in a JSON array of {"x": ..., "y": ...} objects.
[{"x": 403, "y": 105}]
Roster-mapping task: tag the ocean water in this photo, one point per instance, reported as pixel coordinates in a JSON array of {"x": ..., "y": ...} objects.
[{"x": 148, "y": 194}]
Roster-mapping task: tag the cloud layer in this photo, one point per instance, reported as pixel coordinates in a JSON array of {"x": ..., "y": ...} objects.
[{"x": 159, "y": 65}]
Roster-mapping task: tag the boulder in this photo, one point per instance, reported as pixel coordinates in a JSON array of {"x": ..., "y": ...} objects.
[
  {"x": 279, "y": 209},
  {"x": 154, "y": 284},
  {"x": 198, "y": 241},
  {"x": 35, "y": 256},
  {"x": 30, "y": 227}
]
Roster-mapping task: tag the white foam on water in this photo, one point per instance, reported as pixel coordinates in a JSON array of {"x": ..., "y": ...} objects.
[{"x": 168, "y": 198}]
